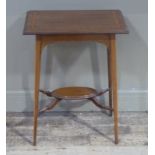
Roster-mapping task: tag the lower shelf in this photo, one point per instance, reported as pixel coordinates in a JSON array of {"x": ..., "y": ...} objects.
[{"x": 74, "y": 93}]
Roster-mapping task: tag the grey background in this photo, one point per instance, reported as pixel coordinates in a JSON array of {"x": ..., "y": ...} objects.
[{"x": 81, "y": 63}]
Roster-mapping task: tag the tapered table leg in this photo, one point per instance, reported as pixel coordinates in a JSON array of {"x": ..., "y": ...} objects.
[
  {"x": 109, "y": 79},
  {"x": 36, "y": 87},
  {"x": 113, "y": 72}
]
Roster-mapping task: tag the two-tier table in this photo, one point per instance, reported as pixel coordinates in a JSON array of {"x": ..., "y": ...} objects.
[{"x": 80, "y": 25}]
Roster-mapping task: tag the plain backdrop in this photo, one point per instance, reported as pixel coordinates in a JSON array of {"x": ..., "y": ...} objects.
[{"x": 77, "y": 63}]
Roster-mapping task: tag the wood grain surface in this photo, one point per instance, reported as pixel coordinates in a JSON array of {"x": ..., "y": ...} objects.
[
  {"x": 74, "y": 22},
  {"x": 74, "y": 93}
]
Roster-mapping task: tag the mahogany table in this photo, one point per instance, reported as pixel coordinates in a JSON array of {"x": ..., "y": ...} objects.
[{"x": 80, "y": 25}]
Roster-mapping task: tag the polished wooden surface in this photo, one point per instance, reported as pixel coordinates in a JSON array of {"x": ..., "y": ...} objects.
[
  {"x": 59, "y": 26},
  {"x": 74, "y": 93},
  {"x": 113, "y": 77},
  {"x": 74, "y": 22},
  {"x": 38, "y": 51}
]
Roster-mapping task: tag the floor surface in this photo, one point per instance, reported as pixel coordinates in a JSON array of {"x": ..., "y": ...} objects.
[{"x": 77, "y": 133}]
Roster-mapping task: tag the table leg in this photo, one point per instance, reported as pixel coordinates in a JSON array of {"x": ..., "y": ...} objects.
[
  {"x": 36, "y": 87},
  {"x": 113, "y": 74},
  {"x": 109, "y": 79}
]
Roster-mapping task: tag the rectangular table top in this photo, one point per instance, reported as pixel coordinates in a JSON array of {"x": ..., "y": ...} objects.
[{"x": 41, "y": 22}]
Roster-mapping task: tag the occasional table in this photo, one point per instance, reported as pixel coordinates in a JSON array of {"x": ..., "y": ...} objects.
[{"x": 80, "y": 25}]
